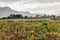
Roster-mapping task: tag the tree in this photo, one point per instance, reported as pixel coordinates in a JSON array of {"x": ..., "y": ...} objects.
[
  {"x": 37, "y": 16},
  {"x": 26, "y": 17},
  {"x": 18, "y": 16}
]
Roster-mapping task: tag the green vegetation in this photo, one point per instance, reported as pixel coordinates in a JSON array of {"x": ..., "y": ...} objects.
[{"x": 30, "y": 30}]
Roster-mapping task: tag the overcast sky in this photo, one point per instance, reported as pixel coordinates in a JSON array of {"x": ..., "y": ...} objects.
[{"x": 34, "y": 6}]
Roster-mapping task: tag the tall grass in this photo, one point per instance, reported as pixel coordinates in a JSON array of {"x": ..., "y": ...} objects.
[{"x": 30, "y": 30}]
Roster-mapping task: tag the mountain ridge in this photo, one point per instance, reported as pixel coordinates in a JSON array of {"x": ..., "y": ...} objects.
[{"x": 5, "y": 11}]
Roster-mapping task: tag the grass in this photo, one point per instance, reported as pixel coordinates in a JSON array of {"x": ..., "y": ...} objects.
[{"x": 30, "y": 30}]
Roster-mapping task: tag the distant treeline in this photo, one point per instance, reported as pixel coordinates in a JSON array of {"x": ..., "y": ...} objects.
[{"x": 20, "y": 16}]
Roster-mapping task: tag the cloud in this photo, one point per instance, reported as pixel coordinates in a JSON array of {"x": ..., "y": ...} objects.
[
  {"x": 34, "y": 6},
  {"x": 47, "y": 1},
  {"x": 45, "y": 8},
  {"x": 9, "y": 1},
  {"x": 41, "y": 1}
]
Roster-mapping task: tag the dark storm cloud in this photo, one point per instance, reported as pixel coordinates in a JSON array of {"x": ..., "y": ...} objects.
[{"x": 42, "y": 1}]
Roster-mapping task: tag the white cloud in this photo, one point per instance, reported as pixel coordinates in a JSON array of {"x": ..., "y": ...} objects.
[
  {"x": 45, "y": 8},
  {"x": 41, "y": 1}
]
